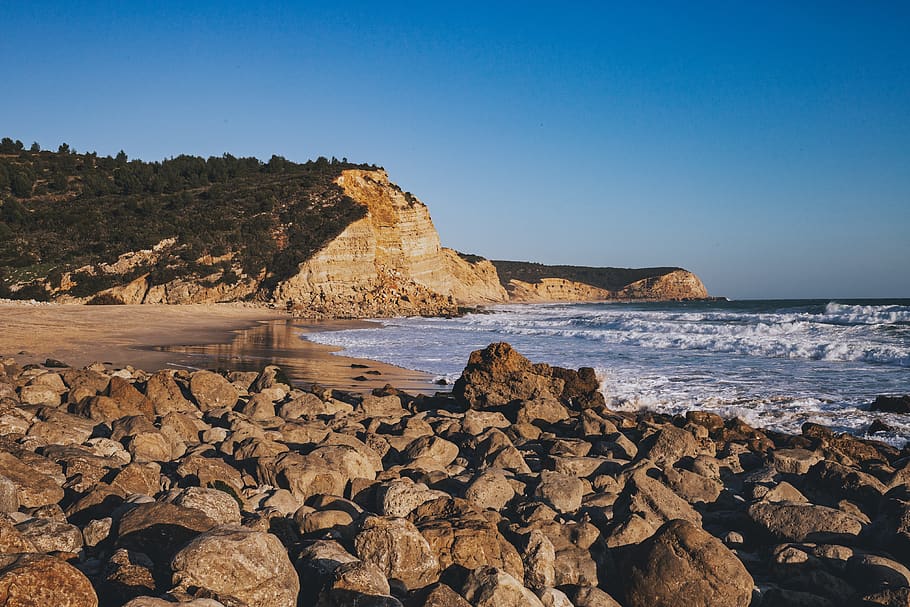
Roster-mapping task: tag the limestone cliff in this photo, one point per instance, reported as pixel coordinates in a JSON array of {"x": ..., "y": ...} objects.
[
  {"x": 555, "y": 289},
  {"x": 323, "y": 238},
  {"x": 533, "y": 282},
  {"x": 390, "y": 262},
  {"x": 678, "y": 284}
]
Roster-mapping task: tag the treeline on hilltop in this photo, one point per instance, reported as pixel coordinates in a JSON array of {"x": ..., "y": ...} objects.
[{"x": 63, "y": 210}]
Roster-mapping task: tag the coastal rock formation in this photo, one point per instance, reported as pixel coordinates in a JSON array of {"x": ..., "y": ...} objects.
[
  {"x": 323, "y": 238},
  {"x": 678, "y": 284},
  {"x": 520, "y": 488},
  {"x": 389, "y": 262},
  {"x": 532, "y": 282},
  {"x": 555, "y": 289}
]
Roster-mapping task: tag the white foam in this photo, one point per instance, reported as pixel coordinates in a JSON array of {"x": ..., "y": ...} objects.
[{"x": 774, "y": 365}]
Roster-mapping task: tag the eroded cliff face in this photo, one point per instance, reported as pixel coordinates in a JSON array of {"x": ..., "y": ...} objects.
[
  {"x": 679, "y": 284},
  {"x": 388, "y": 263},
  {"x": 555, "y": 289}
]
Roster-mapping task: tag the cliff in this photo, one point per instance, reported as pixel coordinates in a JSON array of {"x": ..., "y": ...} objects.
[
  {"x": 323, "y": 239},
  {"x": 532, "y": 282},
  {"x": 390, "y": 262}
]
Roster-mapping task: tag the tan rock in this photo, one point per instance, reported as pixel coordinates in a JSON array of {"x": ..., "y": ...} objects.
[
  {"x": 32, "y": 580},
  {"x": 399, "y": 550},
  {"x": 683, "y": 565},
  {"x": 211, "y": 391},
  {"x": 492, "y": 587},
  {"x": 250, "y": 566}
]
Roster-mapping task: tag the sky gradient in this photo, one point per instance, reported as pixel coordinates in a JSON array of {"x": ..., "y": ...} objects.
[{"x": 764, "y": 146}]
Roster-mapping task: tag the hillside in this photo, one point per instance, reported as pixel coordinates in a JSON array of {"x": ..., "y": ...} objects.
[
  {"x": 325, "y": 238},
  {"x": 67, "y": 220},
  {"x": 528, "y": 282}
]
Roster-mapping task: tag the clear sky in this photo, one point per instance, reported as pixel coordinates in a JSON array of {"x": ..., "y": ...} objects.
[{"x": 763, "y": 145}]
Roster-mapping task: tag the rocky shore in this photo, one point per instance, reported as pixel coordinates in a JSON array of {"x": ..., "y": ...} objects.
[{"x": 121, "y": 487}]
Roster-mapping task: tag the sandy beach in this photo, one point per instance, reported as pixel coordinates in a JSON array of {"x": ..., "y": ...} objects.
[{"x": 153, "y": 337}]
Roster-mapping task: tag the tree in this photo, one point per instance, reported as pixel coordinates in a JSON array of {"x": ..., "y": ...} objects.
[
  {"x": 35, "y": 148},
  {"x": 63, "y": 149},
  {"x": 22, "y": 183}
]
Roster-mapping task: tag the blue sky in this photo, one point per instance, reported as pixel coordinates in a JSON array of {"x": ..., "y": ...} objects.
[{"x": 765, "y": 146}]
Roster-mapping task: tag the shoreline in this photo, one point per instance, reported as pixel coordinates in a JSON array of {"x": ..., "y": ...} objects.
[{"x": 153, "y": 337}]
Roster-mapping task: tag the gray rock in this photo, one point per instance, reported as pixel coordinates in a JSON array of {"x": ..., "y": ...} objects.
[
  {"x": 492, "y": 587},
  {"x": 562, "y": 491},
  {"x": 799, "y": 522}
]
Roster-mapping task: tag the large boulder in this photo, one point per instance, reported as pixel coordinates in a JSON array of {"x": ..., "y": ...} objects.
[
  {"x": 160, "y": 529},
  {"x": 399, "y": 550},
  {"x": 684, "y": 566},
  {"x": 37, "y": 580},
  {"x": 492, "y": 587},
  {"x": 802, "y": 522},
  {"x": 33, "y": 487},
  {"x": 212, "y": 391},
  {"x": 645, "y": 504},
  {"x": 250, "y": 566},
  {"x": 498, "y": 375},
  {"x": 891, "y": 404}
]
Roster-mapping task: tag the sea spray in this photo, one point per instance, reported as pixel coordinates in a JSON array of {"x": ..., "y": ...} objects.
[{"x": 776, "y": 364}]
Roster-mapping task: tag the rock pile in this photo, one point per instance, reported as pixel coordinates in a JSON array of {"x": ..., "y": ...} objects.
[{"x": 519, "y": 488}]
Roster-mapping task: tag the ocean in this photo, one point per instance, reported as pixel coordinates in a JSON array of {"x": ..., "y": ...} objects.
[{"x": 775, "y": 364}]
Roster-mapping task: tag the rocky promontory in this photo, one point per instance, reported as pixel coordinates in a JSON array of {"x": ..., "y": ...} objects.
[
  {"x": 325, "y": 238},
  {"x": 521, "y": 487}
]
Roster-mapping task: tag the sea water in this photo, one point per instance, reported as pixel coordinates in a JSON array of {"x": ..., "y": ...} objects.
[{"x": 774, "y": 364}]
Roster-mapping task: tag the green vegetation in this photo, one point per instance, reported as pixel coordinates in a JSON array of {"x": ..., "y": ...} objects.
[
  {"x": 60, "y": 211},
  {"x": 611, "y": 279}
]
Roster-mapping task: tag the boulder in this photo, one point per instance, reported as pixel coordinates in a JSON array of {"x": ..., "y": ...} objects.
[
  {"x": 399, "y": 550},
  {"x": 498, "y": 375},
  {"x": 470, "y": 542},
  {"x": 212, "y": 391},
  {"x": 539, "y": 557},
  {"x": 441, "y": 451},
  {"x": 490, "y": 489},
  {"x": 33, "y": 487},
  {"x": 48, "y": 535},
  {"x": 218, "y": 505},
  {"x": 589, "y": 596},
  {"x": 37, "y": 580},
  {"x": 581, "y": 388},
  {"x": 561, "y": 491},
  {"x": 891, "y": 404},
  {"x": 683, "y": 565},
  {"x": 802, "y": 522},
  {"x": 165, "y": 394},
  {"x": 251, "y": 566},
  {"x": 492, "y": 587},
  {"x": 645, "y": 504},
  {"x": 127, "y": 574},
  {"x": 401, "y": 496},
  {"x": 794, "y": 461},
  {"x": 11, "y": 539},
  {"x": 128, "y": 397},
  {"x": 160, "y": 529},
  {"x": 668, "y": 445}
]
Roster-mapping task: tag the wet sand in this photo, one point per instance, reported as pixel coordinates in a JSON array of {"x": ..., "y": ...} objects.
[{"x": 208, "y": 336}]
